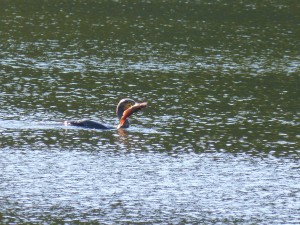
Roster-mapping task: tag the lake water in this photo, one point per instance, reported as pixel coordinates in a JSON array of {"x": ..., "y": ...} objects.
[{"x": 219, "y": 142}]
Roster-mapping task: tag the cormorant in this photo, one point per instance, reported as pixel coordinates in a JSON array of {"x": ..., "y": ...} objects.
[{"x": 125, "y": 108}]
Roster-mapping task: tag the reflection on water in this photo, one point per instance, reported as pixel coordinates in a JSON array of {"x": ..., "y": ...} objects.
[
  {"x": 219, "y": 141},
  {"x": 151, "y": 188}
]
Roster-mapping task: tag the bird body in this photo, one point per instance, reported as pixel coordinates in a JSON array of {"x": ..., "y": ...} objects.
[
  {"x": 87, "y": 124},
  {"x": 125, "y": 109}
]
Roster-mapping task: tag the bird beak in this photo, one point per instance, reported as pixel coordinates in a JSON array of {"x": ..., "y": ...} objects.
[{"x": 128, "y": 112}]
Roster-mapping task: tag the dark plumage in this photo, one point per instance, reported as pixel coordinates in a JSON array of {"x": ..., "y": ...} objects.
[{"x": 125, "y": 108}]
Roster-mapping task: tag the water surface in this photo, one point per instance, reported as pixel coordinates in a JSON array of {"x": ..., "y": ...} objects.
[{"x": 219, "y": 142}]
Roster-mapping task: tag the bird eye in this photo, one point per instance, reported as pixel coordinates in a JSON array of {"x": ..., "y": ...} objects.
[{"x": 128, "y": 105}]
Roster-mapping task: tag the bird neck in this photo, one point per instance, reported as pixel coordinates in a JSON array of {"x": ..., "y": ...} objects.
[{"x": 125, "y": 125}]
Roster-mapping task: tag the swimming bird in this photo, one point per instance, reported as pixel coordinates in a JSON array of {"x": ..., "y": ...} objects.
[{"x": 125, "y": 109}]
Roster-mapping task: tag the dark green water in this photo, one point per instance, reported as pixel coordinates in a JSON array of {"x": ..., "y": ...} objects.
[{"x": 218, "y": 144}]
